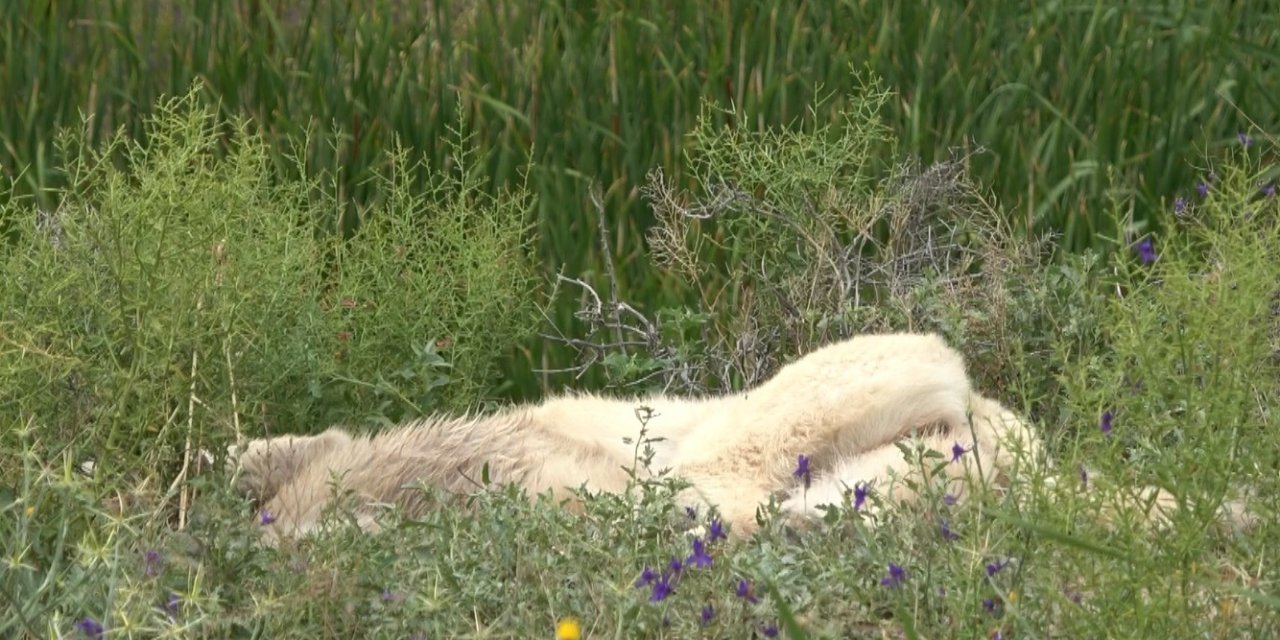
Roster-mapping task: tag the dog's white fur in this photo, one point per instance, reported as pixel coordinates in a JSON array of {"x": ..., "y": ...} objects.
[{"x": 847, "y": 407}]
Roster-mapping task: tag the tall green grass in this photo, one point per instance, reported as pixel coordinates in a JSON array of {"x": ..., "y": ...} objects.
[
  {"x": 181, "y": 285},
  {"x": 1060, "y": 93}
]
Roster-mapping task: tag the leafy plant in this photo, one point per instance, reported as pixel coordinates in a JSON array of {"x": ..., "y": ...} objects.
[{"x": 181, "y": 299}]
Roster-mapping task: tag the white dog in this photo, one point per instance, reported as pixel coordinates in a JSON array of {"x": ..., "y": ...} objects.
[{"x": 845, "y": 407}]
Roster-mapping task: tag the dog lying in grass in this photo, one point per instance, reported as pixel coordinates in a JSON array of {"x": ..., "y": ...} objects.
[{"x": 846, "y": 408}]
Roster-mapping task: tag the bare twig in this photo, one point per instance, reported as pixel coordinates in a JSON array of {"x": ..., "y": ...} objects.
[
  {"x": 606, "y": 254},
  {"x": 819, "y": 267},
  {"x": 235, "y": 403},
  {"x": 178, "y": 484},
  {"x": 591, "y": 350}
]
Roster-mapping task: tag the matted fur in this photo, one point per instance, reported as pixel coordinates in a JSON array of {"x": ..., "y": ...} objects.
[{"x": 846, "y": 406}]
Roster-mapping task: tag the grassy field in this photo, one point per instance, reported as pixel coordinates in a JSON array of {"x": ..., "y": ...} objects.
[
  {"x": 1073, "y": 103},
  {"x": 359, "y": 218}
]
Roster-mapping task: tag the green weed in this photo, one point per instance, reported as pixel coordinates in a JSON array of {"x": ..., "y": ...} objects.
[{"x": 180, "y": 301}]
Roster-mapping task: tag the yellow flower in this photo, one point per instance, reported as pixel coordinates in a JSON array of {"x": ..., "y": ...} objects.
[
  {"x": 568, "y": 629},
  {"x": 31, "y": 510},
  {"x": 1226, "y": 606}
]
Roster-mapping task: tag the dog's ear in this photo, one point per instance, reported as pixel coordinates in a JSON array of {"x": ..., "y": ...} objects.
[{"x": 266, "y": 465}]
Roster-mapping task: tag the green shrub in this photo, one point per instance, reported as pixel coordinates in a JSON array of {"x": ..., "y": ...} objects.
[
  {"x": 182, "y": 297},
  {"x": 1190, "y": 330},
  {"x": 795, "y": 238}
]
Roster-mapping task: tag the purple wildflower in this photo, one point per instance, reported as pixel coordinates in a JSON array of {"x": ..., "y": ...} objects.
[
  {"x": 699, "y": 557},
  {"x": 957, "y": 450},
  {"x": 994, "y": 567},
  {"x": 646, "y": 578},
  {"x": 692, "y": 512},
  {"x": 859, "y": 495},
  {"x": 1146, "y": 251},
  {"x": 1245, "y": 139},
  {"x": 708, "y": 612},
  {"x": 152, "y": 563},
  {"x": 676, "y": 566},
  {"x": 947, "y": 533},
  {"x": 769, "y": 630},
  {"x": 989, "y": 606},
  {"x": 90, "y": 627},
  {"x": 802, "y": 470},
  {"x": 1269, "y": 190},
  {"x": 1179, "y": 205},
  {"x": 896, "y": 576},
  {"x": 172, "y": 605},
  {"x": 1202, "y": 188},
  {"x": 997, "y": 635},
  {"x": 1105, "y": 423},
  {"x": 715, "y": 531},
  {"x": 662, "y": 588},
  {"x": 744, "y": 591},
  {"x": 949, "y": 500},
  {"x": 265, "y": 518}
]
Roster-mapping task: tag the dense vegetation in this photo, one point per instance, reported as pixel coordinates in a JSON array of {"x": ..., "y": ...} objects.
[
  {"x": 1073, "y": 103},
  {"x": 358, "y": 217}
]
